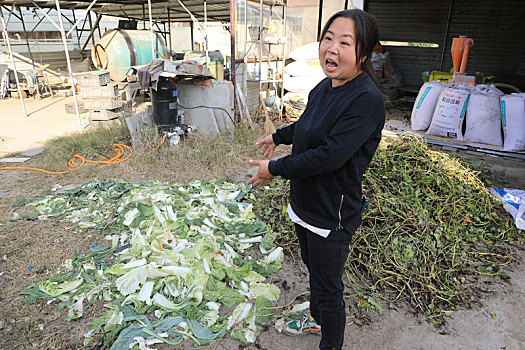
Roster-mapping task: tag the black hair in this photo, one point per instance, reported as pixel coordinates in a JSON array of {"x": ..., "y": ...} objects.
[{"x": 366, "y": 36}]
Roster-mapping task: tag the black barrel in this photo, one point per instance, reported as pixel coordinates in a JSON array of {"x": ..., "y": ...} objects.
[{"x": 164, "y": 105}]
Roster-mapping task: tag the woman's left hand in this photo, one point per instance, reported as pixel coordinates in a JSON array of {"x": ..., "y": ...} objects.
[{"x": 263, "y": 175}]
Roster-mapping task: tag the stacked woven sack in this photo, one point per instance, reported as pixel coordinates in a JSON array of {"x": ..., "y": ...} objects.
[{"x": 481, "y": 114}]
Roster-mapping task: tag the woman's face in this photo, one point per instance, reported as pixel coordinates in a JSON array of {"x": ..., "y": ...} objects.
[{"x": 337, "y": 52}]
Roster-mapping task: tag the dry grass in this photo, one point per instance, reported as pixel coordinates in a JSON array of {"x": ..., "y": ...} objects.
[{"x": 196, "y": 156}]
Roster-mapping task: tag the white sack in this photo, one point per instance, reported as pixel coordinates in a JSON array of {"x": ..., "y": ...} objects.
[
  {"x": 513, "y": 120},
  {"x": 306, "y": 52},
  {"x": 301, "y": 84},
  {"x": 483, "y": 120},
  {"x": 304, "y": 68},
  {"x": 425, "y": 104},
  {"x": 448, "y": 116}
]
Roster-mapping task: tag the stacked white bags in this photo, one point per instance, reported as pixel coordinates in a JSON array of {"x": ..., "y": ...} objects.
[
  {"x": 513, "y": 118},
  {"x": 447, "y": 119},
  {"x": 302, "y": 75},
  {"x": 483, "y": 121},
  {"x": 441, "y": 109}
]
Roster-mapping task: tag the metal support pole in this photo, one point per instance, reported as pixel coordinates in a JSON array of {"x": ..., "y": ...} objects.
[
  {"x": 247, "y": 36},
  {"x": 91, "y": 34},
  {"x": 78, "y": 37},
  {"x": 192, "y": 38},
  {"x": 169, "y": 32},
  {"x": 153, "y": 41},
  {"x": 206, "y": 32},
  {"x": 446, "y": 36},
  {"x": 194, "y": 20},
  {"x": 320, "y": 19},
  {"x": 261, "y": 26},
  {"x": 64, "y": 40},
  {"x": 80, "y": 19},
  {"x": 233, "y": 52},
  {"x": 27, "y": 39},
  {"x": 46, "y": 15},
  {"x": 40, "y": 21},
  {"x": 143, "y": 17},
  {"x": 283, "y": 61},
  {"x": 6, "y": 38},
  {"x": 10, "y": 14},
  {"x": 92, "y": 30}
]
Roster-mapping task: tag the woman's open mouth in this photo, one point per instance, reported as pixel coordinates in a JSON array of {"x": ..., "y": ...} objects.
[{"x": 330, "y": 65}]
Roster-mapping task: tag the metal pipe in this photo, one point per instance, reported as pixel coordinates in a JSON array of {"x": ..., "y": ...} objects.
[
  {"x": 78, "y": 38},
  {"x": 143, "y": 16},
  {"x": 245, "y": 33},
  {"x": 40, "y": 21},
  {"x": 45, "y": 14},
  {"x": 64, "y": 40},
  {"x": 80, "y": 19},
  {"x": 6, "y": 38},
  {"x": 10, "y": 14},
  {"x": 283, "y": 62},
  {"x": 153, "y": 41},
  {"x": 191, "y": 15},
  {"x": 27, "y": 40},
  {"x": 260, "y": 42},
  {"x": 233, "y": 51},
  {"x": 446, "y": 36},
  {"x": 320, "y": 19},
  {"x": 206, "y": 32},
  {"x": 169, "y": 32},
  {"x": 92, "y": 30},
  {"x": 191, "y": 36}
]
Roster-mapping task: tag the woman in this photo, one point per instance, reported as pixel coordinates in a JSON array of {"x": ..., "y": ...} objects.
[{"x": 333, "y": 144}]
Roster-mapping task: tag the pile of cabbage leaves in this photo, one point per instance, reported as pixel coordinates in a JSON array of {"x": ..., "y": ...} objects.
[{"x": 179, "y": 262}]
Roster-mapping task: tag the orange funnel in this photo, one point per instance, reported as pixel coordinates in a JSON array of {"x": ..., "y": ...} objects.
[
  {"x": 468, "y": 43},
  {"x": 460, "y": 50}
]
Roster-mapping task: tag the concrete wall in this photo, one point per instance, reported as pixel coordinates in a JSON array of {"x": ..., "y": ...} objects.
[{"x": 209, "y": 108}]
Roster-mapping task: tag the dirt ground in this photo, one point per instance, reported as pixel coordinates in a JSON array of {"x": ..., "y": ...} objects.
[{"x": 497, "y": 323}]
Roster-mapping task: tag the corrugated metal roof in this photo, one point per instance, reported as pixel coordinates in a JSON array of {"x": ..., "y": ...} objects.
[{"x": 217, "y": 10}]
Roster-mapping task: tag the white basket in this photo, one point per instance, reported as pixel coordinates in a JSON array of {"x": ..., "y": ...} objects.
[
  {"x": 105, "y": 114},
  {"x": 89, "y": 92},
  {"x": 94, "y": 79},
  {"x": 104, "y": 103}
]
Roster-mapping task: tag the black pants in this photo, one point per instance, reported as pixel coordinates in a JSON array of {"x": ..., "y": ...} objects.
[{"x": 325, "y": 259}]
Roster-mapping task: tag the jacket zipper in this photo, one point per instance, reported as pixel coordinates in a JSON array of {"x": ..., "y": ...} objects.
[{"x": 339, "y": 227}]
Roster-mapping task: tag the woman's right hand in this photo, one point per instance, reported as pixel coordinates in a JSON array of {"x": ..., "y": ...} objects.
[{"x": 266, "y": 146}]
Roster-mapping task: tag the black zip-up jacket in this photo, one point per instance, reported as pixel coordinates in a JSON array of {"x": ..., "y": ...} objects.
[{"x": 333, "y": 144}]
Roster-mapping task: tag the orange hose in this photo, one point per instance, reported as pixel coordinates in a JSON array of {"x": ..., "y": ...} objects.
[
  {"x": 78, "y": 161},
  {"x": 160, "y": 144}
]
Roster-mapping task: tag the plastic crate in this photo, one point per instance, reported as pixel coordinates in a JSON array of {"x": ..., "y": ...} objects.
[
  {"x": 105, "y": 114},
  {"x": 94, "y": 79},
  {"x": 90, "y": 92},
  {"x": 103, "y": 103}
]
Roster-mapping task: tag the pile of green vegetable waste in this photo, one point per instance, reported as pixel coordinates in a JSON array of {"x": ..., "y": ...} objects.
[
  {"x": 431, "y": 232},
  {"x": 179, "y": 262}
]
